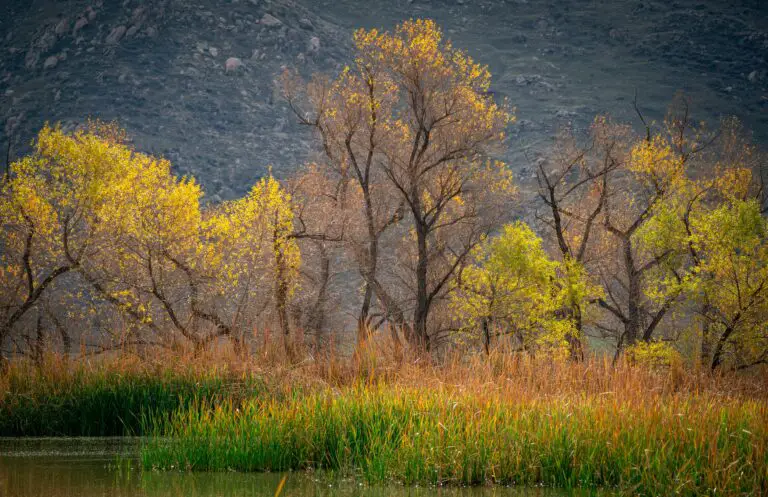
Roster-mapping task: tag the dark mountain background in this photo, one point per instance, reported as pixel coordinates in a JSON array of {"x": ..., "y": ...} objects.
[{"x": 194, "y": 80}]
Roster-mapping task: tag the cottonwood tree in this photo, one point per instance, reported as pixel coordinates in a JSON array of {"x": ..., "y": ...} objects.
[
  {"x": 136, "y": 235},
  {"x": 732, "y": 240},
  {"x": 198, "y": 273},
  {"x": 711, "y": 170},
  {"x": 443, "y": 128},
  {"x": 52, "y": 205},
  {"x": 254, "y": 259},
  {"x": 740, "y": 183},
  {"x": 652, "y": 175},
  {"x": 132, "y": 237},
  {"x": 720, "y": 221},
  {"x": 414, "y": 116},
  {"x": 321, "y": 227},
  {"x": 151, "y": 230},
  {"x": 352, "y": 116},
  {"x": 618, "y": 212},
  {"x": 573, "y": 187},
  {"x": 514, "y": 288},
  {"x": 717, "y": 169}
]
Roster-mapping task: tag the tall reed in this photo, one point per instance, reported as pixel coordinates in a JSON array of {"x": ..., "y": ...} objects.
[
  {"x": 107, "y": 398},
  {"x": 386, "y": 415},
  {"x": 687, "y": 445}
]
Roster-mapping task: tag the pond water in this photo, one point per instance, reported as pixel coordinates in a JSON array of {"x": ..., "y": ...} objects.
[{"x": 87, "y": 467}]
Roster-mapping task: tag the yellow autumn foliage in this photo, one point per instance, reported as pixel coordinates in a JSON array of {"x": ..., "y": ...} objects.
[{"x": 137, "y": 237}]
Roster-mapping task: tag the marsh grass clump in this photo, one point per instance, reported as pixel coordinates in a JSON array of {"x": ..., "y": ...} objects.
[
  {"x": 108, "y": 398},
  {"x": 500, "y": 418},
  {"x": 692, "y": 444}
]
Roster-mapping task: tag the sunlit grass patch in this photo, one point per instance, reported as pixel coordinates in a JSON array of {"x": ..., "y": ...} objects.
[{"x": 685, "y": 446}]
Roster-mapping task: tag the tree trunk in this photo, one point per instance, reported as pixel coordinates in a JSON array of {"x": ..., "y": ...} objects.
[
  {"x": 394, "y": 315},
  {"x": 717, "y": 355},
  {"x": 238, "y": 343},
  {"x": 370, "y": 266},
  {"x": 421, "y": 311},
  {"x": 486, "y": 337},
  {"x": 316, "y": 320},
  {"x": 282, "y": 317},
  {"x": 576, "y": 348},
  {"x": 706, "y": 338},
  {"x": 39, "y": 346},
  {"x": 632, "y": 325},
  {"x": 4, "y": 362},
  {"x": 281, "y": 301},
  {"x": 371, "y": 262}
]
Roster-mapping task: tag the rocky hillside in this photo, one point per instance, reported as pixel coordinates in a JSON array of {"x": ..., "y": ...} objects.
[{"x": 194, "y": 80}]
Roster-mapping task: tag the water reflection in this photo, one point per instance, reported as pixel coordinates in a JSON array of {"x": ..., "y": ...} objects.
[{"x": 107, "y": 467}]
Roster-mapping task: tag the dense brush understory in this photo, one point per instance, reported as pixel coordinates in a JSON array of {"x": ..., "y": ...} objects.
[{"x": 472, "y": 420}]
